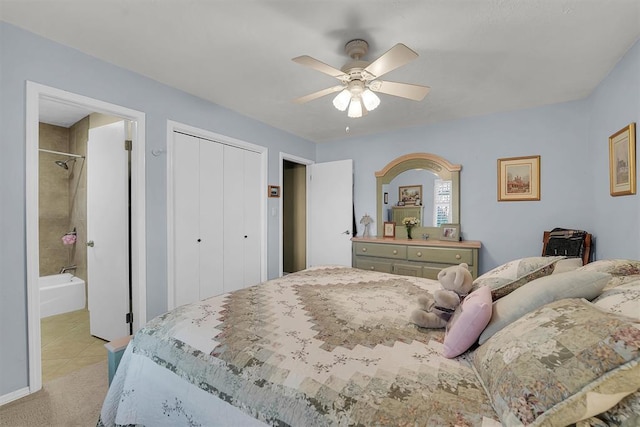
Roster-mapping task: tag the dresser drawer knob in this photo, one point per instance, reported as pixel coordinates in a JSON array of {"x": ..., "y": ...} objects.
[
  {"x": 372, "y": 268},
  {"x": 419, "y": 254},
  {"x": 458, "y": 256},
  {"x": 364, "y": 249},
  {"x": 395, "y": 252}
]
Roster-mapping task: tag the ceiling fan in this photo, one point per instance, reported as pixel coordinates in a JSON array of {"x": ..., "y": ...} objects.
[{"x": 359, "y": 79}]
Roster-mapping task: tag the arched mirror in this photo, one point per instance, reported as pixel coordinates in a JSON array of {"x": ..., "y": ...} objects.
[{"x": 425, "y": 185}]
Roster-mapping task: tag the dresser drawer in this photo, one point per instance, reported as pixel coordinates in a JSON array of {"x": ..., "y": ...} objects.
[
  {"x": 407, "y": 269},
  {"x": 372, "y": 264},
  {"x": 382, "y": 250},
  {"x": 431, "y": 272},
  {"x": 440, "y": 255}
]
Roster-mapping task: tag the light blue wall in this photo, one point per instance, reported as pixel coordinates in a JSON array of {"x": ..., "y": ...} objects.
[
  {"x": 25, "y": 56},
  {"x": 572, "y": 140},
  {"x": 613, "y": 105}
]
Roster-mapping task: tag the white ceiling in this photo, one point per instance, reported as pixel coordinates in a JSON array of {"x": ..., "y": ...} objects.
[{"x": 478, "y": 56}]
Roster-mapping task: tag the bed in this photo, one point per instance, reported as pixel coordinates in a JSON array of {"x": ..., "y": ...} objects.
[{"x": 333, "y": 346}]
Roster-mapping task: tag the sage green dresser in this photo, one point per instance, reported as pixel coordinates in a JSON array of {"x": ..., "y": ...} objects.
[{"x": 420, "y": 258}]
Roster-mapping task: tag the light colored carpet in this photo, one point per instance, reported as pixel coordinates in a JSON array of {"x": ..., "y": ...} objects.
[{"x": 72, "y": 400}]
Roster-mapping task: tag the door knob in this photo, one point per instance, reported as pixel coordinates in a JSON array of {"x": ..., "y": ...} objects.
[
  {"x": 90, "y": 243},
  {"x": 346, "y": 232}
]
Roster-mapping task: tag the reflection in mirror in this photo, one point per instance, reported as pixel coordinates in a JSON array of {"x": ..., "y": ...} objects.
[
  {"x": 440, "y": 201},
  {"x": 425, "y": 208}
]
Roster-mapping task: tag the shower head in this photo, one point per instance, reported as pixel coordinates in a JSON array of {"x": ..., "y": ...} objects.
[{"x": 65, "y": 163}]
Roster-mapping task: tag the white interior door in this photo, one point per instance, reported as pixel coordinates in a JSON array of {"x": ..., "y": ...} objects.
[
  {"x": 108, "y": 231},
  {"x": 242, "y": 214},
  {"x": 330, "y": 213},
  {"x": 253, "y": 192},
  {"x": 211, "y": 261},
  {"x": 186, "y": 229},
  {"x": 233, "y": 208}
]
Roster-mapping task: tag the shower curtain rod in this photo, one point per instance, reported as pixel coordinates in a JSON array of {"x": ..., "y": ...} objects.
[{"x": 61, "y": 153}]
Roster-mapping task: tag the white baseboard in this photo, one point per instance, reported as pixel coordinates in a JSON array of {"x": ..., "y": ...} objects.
[{"x": 15, "y": 395}]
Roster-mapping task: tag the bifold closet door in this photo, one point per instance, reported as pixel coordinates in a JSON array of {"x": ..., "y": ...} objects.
[
  {"x": 198, "y": 245},
  {"x": 241, "y": 218},
  {"x": 211, "y": 217}
]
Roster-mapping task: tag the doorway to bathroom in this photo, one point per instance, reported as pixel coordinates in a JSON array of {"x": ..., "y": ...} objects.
[{"x": 79, "y": 245}]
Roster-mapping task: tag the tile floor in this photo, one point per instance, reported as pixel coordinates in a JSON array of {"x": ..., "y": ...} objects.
[{"x": 67, "y": 345}]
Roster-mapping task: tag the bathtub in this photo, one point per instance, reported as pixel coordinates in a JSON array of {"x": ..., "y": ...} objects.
[{"x": 61, "y": 293}]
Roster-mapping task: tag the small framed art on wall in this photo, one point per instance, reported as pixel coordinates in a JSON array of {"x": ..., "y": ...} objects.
[
  {"x": 519, "y": 178},
  {"x": 622, "y": 161}
]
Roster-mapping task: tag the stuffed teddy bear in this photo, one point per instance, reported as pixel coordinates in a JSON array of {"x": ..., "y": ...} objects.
[{"x": 435, "y": 311}]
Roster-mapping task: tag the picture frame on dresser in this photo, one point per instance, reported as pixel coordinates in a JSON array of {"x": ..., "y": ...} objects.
[
  {"x": 622, "y": 161},
  {"x": 450, "y": 232},
  {"x": 519, "y": 178},
  {"x": 389, "y": 230}
]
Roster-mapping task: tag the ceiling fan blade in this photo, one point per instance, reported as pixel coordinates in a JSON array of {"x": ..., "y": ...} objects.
[
  {"x": 318, "y": 94},
  {"x": 403, "y": 90},
  {"x": 395, "y": 57},
  {"x": 310, "y": 62}
]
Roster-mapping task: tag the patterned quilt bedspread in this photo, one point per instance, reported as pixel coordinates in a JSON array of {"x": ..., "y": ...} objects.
[{"x": 325, "y": 346}]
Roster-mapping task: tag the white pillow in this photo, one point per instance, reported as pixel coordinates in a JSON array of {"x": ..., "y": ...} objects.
[
  {"x": 539, "y": 292},
  {"x": 568, "y": 264}
]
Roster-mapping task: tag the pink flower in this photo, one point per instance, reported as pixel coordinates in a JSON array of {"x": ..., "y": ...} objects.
[{"x": 69, "y": 238}]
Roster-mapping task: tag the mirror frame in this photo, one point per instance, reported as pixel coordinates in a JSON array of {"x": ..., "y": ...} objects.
[{"x": 430, "y": 162}]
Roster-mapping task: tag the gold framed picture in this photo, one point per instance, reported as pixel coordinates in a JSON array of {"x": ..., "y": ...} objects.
[
  {"x": 519, "y": 178},
  {"x": 622, "y": 161},
  {"x": 410, "y": 195},
  {"x": 389, "y": 229}
]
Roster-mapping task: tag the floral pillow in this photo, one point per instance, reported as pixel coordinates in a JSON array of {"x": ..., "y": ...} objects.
[
  {"x": 625, "y": 413},
  {"x": 623, "y": 299},
  {"x": 621, "y": 270},
  {"x": 547, "y": 367},
  {"x": 615, "y": 267},
  {"x": 507, "y": 277}
]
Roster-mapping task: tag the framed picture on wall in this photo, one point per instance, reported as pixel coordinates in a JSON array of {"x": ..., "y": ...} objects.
[
  {"x": 519, "y": 178},
  {"x": 389, "y": 229},
  {"x": 622, "y": 161},
  {"x": 409, "y": 194},
  {"x": 274, "y": 191}
]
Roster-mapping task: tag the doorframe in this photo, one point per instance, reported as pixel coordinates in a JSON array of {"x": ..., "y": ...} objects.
[
  {"x": 34, "y": 92},
  {"x": 173, "y": 126},
  {"x": 302, "y": 161}
]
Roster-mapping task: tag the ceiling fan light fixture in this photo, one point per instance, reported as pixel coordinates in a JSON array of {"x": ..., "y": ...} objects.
[
  {"x": 355, "y": 108},
  {"x": 360, "y": 79},
  {"x": 370, "y": 100},
  {"x": 341, "y": 101}
]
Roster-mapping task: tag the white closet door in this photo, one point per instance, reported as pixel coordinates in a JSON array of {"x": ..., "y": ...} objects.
[
  {"x": 211, "y": 200},
  {"x": 186, "y": 208},
  {"x": 233, "y": 208},
  {"x": 217, "y": 218},
  {"x": 253, "y": 192}
]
